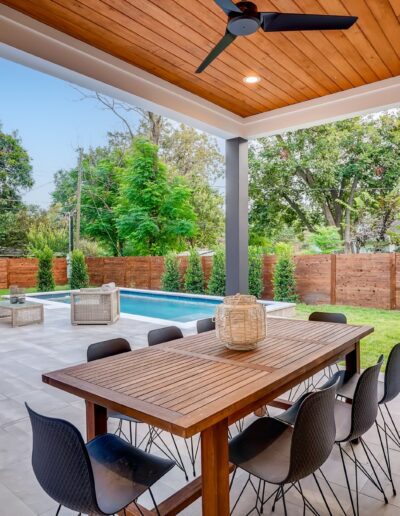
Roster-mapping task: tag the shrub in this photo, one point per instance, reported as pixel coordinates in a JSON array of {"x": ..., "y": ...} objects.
[
  {"x": 284, "y": 280},
  {"x": 256, "y": 282},
  {"x": 171, "y": 281},
  {"x": 79, "y": 274},
  {"x": 92, "y": 248},
  {"x": 194, "y": 276},
  {"x": 44, "y": 235},
  {"x": 216, "y": 283},
  {"x": 325, "y": 240},
  {"x": 45, "y": 279}
]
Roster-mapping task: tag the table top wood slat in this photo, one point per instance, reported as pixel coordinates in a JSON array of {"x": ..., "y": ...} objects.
[{"x": 185, "y": 385}]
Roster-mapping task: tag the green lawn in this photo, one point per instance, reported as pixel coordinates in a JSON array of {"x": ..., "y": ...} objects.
[
  {"x": 385, "y": 322},
  {"x": 5, "y": 291}
]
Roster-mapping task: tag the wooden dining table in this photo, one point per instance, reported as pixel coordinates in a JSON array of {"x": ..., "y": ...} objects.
[{"x": 195, "y": 384}]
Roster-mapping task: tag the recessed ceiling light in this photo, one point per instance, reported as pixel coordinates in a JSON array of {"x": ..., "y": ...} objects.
[{"x": 252, "y": 79}]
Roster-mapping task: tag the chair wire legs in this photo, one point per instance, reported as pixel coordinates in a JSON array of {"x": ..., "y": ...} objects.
[
  {"x": 387, "y": 431},
  {"x": 312, "y": 383},
  {"x": 332, "y": 491},
  {"x": 154, "y": 434},
  {"x": 277, "y": 495},
  {"x": 358, "y": 466},
  {"x": 384, "y": 441},
  {"x": 58, "y": 510},
  {"x": 172, "y": 454},
  {"x": 133, "y": 434},
  {"x": 192, "y": 449},
  {"x": 391, "y": 427},
  {"x": 154, "y": 502}
]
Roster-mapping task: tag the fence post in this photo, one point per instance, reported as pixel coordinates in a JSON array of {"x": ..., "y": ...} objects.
[
  {"x": 150, "y": 258},
  {"x": 8, "y": 272},
  {"x": 392, "y": 280},
  {"x": 333, "y": 279}
]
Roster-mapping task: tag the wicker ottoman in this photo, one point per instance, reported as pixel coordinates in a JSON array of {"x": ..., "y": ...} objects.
[{"x": 22, "y": 314}]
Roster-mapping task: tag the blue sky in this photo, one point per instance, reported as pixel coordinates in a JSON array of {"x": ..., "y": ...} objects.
[{"x": 51, "y": 121}]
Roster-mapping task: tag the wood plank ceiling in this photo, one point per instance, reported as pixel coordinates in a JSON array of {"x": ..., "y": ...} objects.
[{"x": 169, "y": 38}]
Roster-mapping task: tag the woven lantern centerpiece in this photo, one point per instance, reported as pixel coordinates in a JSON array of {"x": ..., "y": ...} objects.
[{"x": 240, "y": 322}]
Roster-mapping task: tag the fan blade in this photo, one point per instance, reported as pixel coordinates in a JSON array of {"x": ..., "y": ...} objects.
[
  {"x": 277, "y": 22},
  {"x": 227, "y": 39},
  {"x": 228, "y": 6}
]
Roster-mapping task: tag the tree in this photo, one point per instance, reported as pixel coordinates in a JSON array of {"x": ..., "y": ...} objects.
[
  {"x": 216, "y": 283},
  {"x": 45, "y": 279},
  {"x": 325, "y": 240},
  {"x": 48, "y": 230},
  {"x": 43, "y": 235},
  {"x": 15, "y": 178},
  {"x": 314, "y": 176},
  {"x": 195, "y": 156},
  {"x": 171, "y": 280},
  {"x": 194, "y": 276},
  {"x": 79, "y": 272},
  {"x": 284, "y": 280},
  {"x": 188, "y": 153},
  {"x": 378, "y": 223},
  {"x": 154, "y": 211},
  {"x": 15, "y": 226},
  {"x": 99, "y": 195},
  {"x": 15, "y": 172},
  {"x": 256, "y": 282}
]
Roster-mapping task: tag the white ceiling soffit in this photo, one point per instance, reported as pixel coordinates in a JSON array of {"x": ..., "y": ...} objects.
[
  {"x": 38, "y": 46},
  {"x": 362, "y": 100}
]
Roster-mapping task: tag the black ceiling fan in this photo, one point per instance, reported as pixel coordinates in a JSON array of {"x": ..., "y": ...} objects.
[{"x": 244, "y": 19}]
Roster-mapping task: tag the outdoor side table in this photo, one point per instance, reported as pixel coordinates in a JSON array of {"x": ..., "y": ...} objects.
[{"x": 22, "y": 314}]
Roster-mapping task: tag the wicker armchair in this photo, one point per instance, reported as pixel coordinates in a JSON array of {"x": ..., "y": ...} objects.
[{"x": 95, "y": 305}]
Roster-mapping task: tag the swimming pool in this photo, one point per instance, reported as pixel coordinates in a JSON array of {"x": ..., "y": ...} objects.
[{"x": 161, "y": 306}]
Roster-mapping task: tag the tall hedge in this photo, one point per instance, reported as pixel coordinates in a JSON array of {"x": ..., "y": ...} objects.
[
  {"x": 217, "y": 281},
  {"x": 79, "y": 273},
  {"x": 284, "y": 279},
  {"x": 45, "y": 278},
  {"x": 194, "y": 276},
  {"x": 256, "y": 279},
  {"x": 171, "y": 280}
]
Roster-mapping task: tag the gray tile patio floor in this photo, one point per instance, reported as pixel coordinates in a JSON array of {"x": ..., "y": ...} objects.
[{"x": 27, "y": 352}]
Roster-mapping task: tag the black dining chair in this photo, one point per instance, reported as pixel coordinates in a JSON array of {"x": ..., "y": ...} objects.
[
  {"x": 102, "y": 477},
  {"x": 388, "y": 390},
  {"x": 109, "y": 348},
  {"x": 313, "y": 382},
  {"x": 204, "y": 325},
  {"x": 328, "y": 317},
  {"x": 161, "y": 335},
  {"x": 155, "y": 337},
  {"x": 353, "y": 420},
  {"x": 283, "y": 455}
]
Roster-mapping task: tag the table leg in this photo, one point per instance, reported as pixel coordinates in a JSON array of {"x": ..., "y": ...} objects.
[
  {"x": 215, "y": 470},
  {"x": 96, "y": 420},
  {"x": 353, "y": 362}
]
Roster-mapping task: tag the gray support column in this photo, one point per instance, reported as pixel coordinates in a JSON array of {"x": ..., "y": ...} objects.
[{"x": 236, "y": 206}]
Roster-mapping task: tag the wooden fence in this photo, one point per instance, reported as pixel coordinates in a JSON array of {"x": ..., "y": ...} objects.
[
  {"x": 23, "y": 271},
  {"x": 371, "y": 280}
]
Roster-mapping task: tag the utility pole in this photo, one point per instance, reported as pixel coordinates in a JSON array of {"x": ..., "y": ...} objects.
[
  {"x": 70, "y": 232},
  {"x": 78, "y": 199}
]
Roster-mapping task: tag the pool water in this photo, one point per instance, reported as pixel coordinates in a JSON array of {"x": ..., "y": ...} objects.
[{"x": 159, "y": 306}]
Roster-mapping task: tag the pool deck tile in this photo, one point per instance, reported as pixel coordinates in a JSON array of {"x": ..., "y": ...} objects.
[{"x": 27, "y": 352}]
